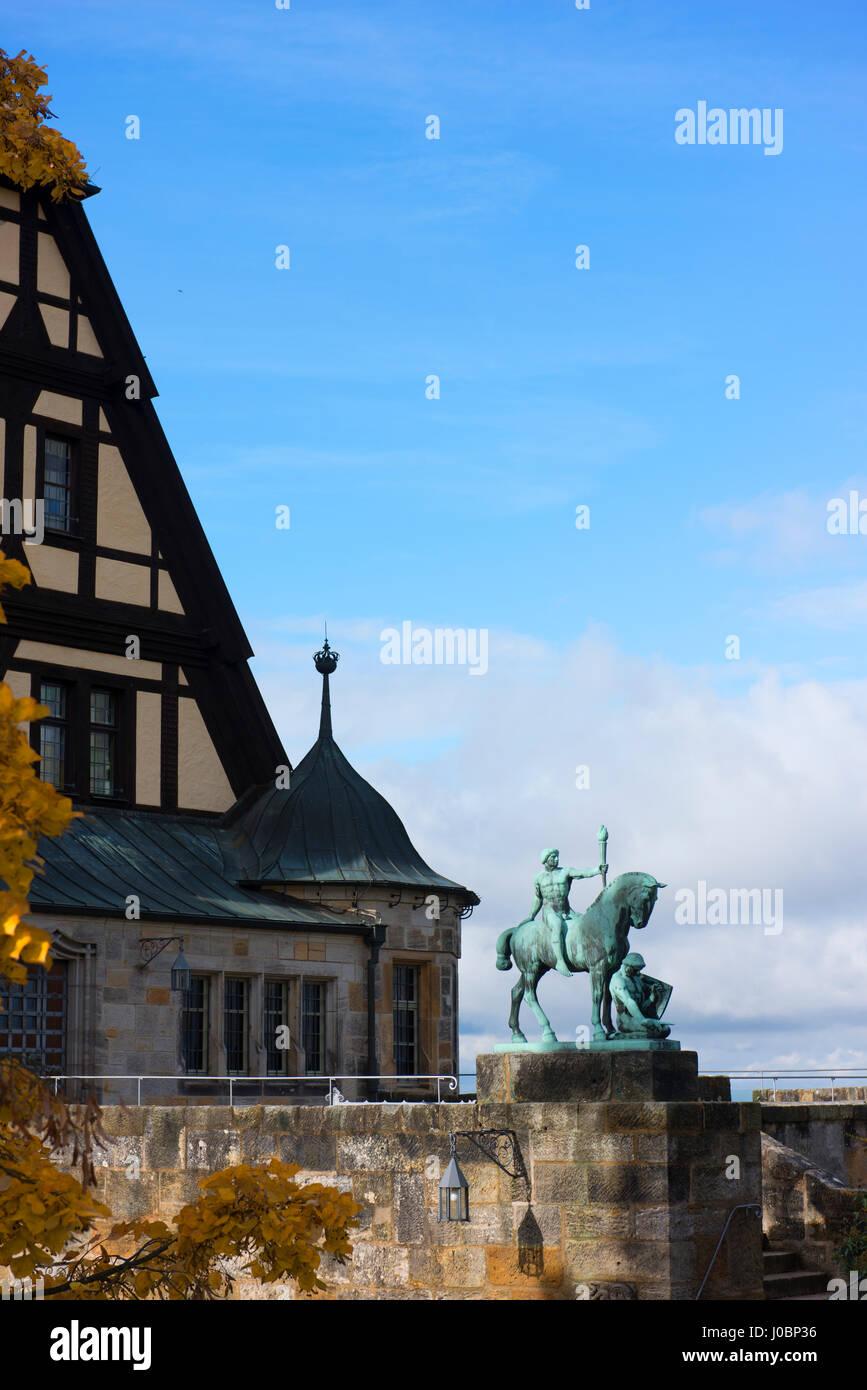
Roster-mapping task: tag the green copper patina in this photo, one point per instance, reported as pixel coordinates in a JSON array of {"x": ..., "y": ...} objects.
[
  {"x": 596, "y": 941},
  {"x": 640, "y": 1000},
  {"x": 552, "y": 887}
]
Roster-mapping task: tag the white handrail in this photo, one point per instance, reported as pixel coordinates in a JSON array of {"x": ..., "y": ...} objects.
[
  {"x": 816, "y": 1074},
  {"x": 260, "y": 1080}
]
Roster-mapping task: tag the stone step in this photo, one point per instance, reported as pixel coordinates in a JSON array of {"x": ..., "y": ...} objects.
[
  {"x": 795, "y": 1284},
  {"x": 779, "y": 1261}
]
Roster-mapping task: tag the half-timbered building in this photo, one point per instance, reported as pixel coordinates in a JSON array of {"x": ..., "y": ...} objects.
[{"x": 309, "y": 937}]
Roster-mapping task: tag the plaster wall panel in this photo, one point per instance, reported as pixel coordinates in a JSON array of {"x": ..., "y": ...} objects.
[
  {"x": 19, "y": 684},
  {"x": 167, "y": 595},
  {"x": 9, "y": 252},
  {"x": 57, "y": 407},
  {"x": 6, "y": 302},
  {"x": 56, "y": 324},
  {"x": 202, "y": 783},
  {"x": 123, "y": 583},
  {"x": 54, "y": 568},
  {"x": 147, "y": 748},
  {"x": 52, "y": 276},
  {"x": 90, "y": 661},
  {"x": 120, "y": 521},
  {"x": 87, "y": 338}
]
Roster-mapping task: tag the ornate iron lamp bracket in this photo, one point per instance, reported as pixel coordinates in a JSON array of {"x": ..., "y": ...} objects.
[
  {"x": 499, "y": 1145},
  {"x": 152, "y": 945}
]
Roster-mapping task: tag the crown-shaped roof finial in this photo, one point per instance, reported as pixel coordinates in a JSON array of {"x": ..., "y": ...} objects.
[{"x": 325, "y": 661}]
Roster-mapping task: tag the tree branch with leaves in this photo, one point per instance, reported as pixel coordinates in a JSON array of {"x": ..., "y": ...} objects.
[{"x": 31, "y": 152}]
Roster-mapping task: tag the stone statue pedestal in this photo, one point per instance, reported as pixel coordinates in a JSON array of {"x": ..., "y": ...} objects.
[
  {"x": 630, "y": 1162},
  {"x": 652, "y": 1071}
]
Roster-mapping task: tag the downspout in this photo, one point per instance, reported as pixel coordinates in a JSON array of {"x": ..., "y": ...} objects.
[{"x": 376, "y": 939}]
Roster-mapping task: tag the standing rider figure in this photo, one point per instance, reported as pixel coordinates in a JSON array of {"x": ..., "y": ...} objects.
[{"x": 552, "y": 887}]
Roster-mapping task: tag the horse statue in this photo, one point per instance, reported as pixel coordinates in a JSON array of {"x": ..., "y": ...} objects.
[{"x": 596, "y": 941}]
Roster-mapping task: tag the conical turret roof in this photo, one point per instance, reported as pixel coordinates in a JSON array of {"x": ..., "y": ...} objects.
[{"x": 328, "y": 826}]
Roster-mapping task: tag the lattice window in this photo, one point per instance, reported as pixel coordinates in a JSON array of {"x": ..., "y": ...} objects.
[
  {"x": 103, "y": 742},
  {"x": 406, "y": 981},
  {"x": 58, "y": 484},
  {"x": 235, "y": 1025},
  {"x": 275, "y": 1022},
  {"x": 194, "y": 1025},
  {"x": 33, "y": 1021},
  {"x": 54, "y": 735},
  {"x": 313, "y": 1027}
]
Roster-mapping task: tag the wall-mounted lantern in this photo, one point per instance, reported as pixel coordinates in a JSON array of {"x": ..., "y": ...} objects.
[
  {"x": 498, "y": 1145},
  {"x": 151, "y": 946},
  {"x": 180, "y": 972},
  {"x": 454, "y": 1190}
]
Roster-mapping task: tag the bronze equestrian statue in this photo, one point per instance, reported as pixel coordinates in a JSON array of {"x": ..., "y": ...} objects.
[{"x": 595, "y": 941}]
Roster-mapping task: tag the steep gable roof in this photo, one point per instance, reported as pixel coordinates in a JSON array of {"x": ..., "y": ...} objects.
[{"x": 207, "y": 639}]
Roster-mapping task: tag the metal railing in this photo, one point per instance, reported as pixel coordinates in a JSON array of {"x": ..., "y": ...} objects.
[
  {"x": 774, "y": 1075},
  {"x": 754, "y": 1207},
  {"x": 765, "y": 1078},
  {"x": 261, "y": 1081}
]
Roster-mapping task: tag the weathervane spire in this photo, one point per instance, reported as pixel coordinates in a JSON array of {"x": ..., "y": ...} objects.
[{"x": 325, "y": 662}]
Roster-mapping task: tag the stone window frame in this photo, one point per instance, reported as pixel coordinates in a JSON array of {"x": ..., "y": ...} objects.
[
  {"x": 208, "y": 1031},
  {"x": 246, "y": 1026},
  {"x": 81, "y": 1002},
  {"x": 427, "y": 1041},
  {"x": 256, "y": 1050},
  {"x": 412, "y": 1008},
  {"x": 286, "y": 1054},
  {"x": 329, "y": 1031},
  {"x": 332, "y": 1046}
]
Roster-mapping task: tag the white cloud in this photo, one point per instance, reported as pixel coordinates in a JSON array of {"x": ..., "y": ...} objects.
[
  {"x": 834, "y": 606},
  {"x": 779, "y": 531},
  {"x": 765, "y": 788}
]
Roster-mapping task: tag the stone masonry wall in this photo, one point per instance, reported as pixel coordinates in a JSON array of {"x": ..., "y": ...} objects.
[
  {"x": 833, "y": 1136},
  {"x": 804, "y": 1208},
  {"x": 618, "y": 1192}
]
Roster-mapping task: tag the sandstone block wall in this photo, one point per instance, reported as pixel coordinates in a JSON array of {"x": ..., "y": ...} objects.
[
  {"x": 805, "y": 1208},
  {"x": 622, "y": 1192},
  {"x": 832, "y": 1136}
]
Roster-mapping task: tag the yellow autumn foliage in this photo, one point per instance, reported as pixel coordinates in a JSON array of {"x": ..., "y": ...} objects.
[
  {"x": 30, "y": 151},
  {"x": 29, "y": 808},
  {"x": 250, "y": 1219}
]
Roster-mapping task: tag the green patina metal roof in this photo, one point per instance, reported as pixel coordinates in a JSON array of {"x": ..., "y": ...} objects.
[
  {"x": 172, "y": 864},
  {"x": 328, "y": 826}
]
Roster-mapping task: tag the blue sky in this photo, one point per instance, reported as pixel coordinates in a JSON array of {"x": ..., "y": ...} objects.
[{"x": 306, "y": 387}]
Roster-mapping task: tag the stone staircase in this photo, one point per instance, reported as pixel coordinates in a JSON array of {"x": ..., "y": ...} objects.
[{"x": 784, "y": 1277}]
